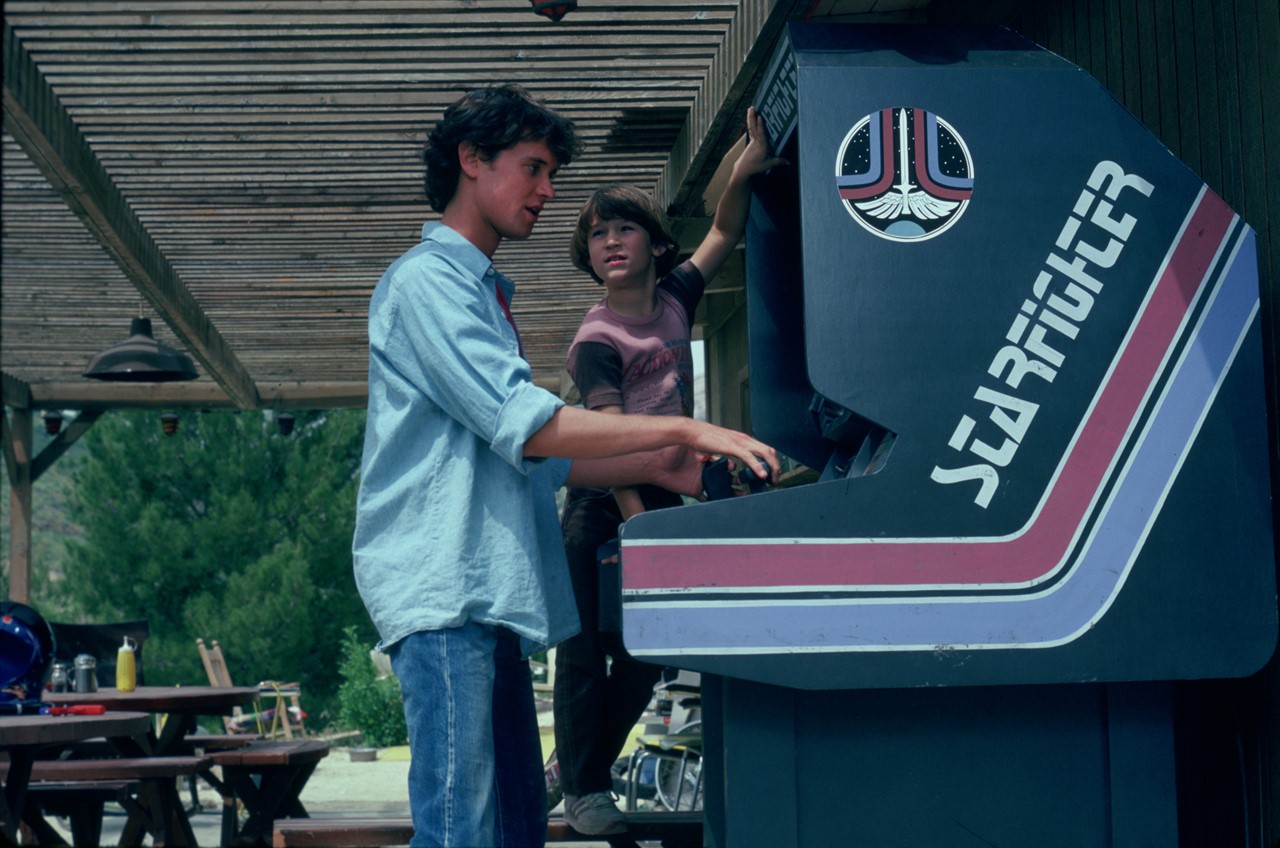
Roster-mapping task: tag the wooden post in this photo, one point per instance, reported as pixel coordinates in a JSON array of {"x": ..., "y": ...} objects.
[{"x": 17, "y": 454}]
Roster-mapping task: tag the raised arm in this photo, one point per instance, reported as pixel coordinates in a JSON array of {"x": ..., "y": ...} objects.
[{"x": 730, "y": 221}]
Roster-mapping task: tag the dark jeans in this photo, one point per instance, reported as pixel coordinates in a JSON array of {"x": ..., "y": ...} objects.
[{"x": 597, "y": 703}]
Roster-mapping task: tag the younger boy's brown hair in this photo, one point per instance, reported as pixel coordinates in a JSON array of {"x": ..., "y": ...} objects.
[{"x": 626, "y": 203}]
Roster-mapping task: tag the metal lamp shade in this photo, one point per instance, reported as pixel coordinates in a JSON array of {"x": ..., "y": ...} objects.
[
  {"x": 553, "y": 9},
  {"x": 141, "y": 359}
]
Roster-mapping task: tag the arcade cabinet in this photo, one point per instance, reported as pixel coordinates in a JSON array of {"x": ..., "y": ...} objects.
[{"x": 1021, "y": 341}]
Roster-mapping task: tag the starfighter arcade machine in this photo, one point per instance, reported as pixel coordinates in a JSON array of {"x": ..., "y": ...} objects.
[{"x": 1021, "y": 340}]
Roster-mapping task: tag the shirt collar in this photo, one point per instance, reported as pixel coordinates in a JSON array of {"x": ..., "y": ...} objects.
[{"x": 467, "y": 254}]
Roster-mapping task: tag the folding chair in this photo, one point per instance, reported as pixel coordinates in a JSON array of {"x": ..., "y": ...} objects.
[{"x": 215, "y": 666}]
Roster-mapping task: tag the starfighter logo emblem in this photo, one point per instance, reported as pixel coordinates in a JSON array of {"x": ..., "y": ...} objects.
[{"x": 904, "y": 174}]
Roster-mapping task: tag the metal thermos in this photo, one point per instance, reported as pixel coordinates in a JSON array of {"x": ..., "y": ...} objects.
[
  {"x": 59, "y": 680},
  {"x": 86, "y": 674}
]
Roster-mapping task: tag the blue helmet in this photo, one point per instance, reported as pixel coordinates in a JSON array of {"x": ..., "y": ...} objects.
[{"x": 26, "y": 649}]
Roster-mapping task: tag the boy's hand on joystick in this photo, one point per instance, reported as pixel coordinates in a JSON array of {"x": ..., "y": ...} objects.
[{"x": 719, "y": 480}]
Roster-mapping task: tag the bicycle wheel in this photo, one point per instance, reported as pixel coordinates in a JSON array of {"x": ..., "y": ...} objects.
[{"x": 674, "y": 793}]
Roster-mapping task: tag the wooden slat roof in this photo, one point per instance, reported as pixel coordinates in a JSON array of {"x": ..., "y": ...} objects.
[{"x": 242, "y": 172}]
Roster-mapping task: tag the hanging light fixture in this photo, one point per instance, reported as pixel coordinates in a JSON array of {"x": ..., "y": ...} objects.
[
  {"x": 52, "y": 423},
  {"x": 141, "y": 359},
  {"x": 553, "y": 9},
  {"x": 169, "y": 423},
  {"x": 284, "y": 422}
]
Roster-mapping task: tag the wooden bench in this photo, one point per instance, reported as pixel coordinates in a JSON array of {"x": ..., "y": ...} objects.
[
  {"x": 82, "y": 802},
  {"x": 670, "y": 829},
  {"x": 145, "y": 787},
  {"x": 200, "y": 744},
  {"x": 340, "y": 831},
  {"x": 218, "y": 741},
  {"x": 673, "y": 830},
  {"x": 272, "y": 753},
  {"x": 268, "y": 777}
]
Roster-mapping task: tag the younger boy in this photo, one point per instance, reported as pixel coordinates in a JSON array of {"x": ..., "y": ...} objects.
[{"x": 631, "y": 355}]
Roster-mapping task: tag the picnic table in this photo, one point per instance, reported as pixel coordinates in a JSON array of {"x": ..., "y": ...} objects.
[
  {"x": 182, "y": 706},
  {"x": 266, "y": 776},
  {"x": 175, "y": 712},
  {"x": 24, "y": 735}
]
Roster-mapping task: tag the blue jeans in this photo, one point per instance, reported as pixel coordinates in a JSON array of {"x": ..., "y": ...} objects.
[{"x": 475, "y": 775}]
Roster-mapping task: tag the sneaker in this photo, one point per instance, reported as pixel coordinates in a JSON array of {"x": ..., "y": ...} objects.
[{"x": 594, "y": 814}]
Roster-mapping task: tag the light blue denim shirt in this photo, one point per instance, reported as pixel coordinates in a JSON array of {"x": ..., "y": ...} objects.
[{"x": 452, "y": 522}]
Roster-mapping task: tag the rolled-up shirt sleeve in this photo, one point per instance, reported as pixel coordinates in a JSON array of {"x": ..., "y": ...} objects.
[{"x": 448, "y": 337}]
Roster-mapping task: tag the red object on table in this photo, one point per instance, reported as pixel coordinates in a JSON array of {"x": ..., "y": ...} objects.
[
  {"x": 182, "y": 704},
  {"x": 76, "y": 709}
]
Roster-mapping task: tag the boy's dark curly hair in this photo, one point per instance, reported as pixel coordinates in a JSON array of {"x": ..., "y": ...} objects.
[
  {"x": 492, "y": 119},
  {"x": 626, "y": 203}
]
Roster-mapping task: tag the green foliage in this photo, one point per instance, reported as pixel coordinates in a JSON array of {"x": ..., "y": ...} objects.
[
  {"x": 50, "y": 529},
  {"x": 226, "y": 530},
  {"x": 372, "y": 706}
]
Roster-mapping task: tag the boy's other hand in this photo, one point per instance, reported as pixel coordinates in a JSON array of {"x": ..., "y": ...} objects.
[{"x": 756, "y": 157}]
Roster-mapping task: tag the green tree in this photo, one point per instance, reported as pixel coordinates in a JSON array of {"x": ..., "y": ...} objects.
[
  {"x": 51, "y": 529},
  {"x": 226, "y": 530}
]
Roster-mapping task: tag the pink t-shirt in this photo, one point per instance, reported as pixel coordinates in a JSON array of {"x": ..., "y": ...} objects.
[{"x": 644, "y": 365}]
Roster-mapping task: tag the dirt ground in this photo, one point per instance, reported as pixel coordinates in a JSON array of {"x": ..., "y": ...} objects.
[{"x": 341, "y": 785}]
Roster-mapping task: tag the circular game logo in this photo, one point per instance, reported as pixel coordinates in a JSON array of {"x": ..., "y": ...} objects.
[{"x": 904, "y": 174}]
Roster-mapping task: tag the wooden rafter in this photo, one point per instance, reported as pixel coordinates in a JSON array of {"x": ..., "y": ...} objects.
[
  {"x": 17, "y": 393},
  {"x": 311, "y": 394},
  {"x": 63, "y": 442},
  {"x": 271, "y": 153},
  {"x": 44, "y": 130},
  {"x": 716, "y": 117}
]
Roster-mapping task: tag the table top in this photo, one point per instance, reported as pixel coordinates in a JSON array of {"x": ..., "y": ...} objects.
[
  {"x": 61, "y": 729},
  {"x": 198, "y": 700}
]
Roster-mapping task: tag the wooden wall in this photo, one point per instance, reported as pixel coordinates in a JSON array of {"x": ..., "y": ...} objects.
[{"x": 722, "y": 319}]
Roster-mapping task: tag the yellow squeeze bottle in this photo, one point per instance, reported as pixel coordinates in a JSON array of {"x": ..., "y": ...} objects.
[{"x": 126, "y": 667}]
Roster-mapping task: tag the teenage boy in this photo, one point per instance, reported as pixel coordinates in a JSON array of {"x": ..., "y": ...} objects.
[
  {"x": 457, "y": 552},
  {"x": 631, "y": 355}
]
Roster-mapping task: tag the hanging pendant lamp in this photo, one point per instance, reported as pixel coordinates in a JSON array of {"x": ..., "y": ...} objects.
[{"x": 141, "y": 359}]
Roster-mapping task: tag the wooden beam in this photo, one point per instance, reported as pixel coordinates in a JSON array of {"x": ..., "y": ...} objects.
[
  {"x": 315, "y": 395},
  {"x": 64, "y": 440},
  {"x": 41, "y": 126},
  {"x": 16, "y": 392},
  {"x": 720, "y": 105},
  {"x": 199, "y": 394},
  {"x": 17, "y": 440},
  {"x": 10, "y": 452}
]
